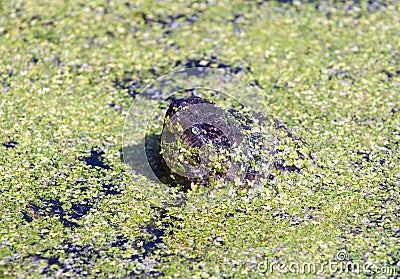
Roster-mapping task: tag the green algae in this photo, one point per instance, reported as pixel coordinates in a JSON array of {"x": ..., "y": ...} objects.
[{"x": 328, "y": 71}]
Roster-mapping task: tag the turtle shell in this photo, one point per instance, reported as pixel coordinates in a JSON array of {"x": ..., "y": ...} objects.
[
  {"x": 198, "y": 134},
  {"x": 207, "y": 129},
  {"x": 262, "y": 152}
]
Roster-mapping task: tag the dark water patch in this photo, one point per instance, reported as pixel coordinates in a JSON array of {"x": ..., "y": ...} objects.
[
  {"x": 34, "y": 60},
  {"x": 111, "y": 189},
  {"x": 50, "y": 261},
  {"x": 342, "y": 76},
  {"x": 77, "y": 259},
  {"x": 110, "y": 34},
  {"x": 35, "y": 17},
  {"x": 281, "y": 167},
  {"x": 6, "y": 86},
  {"x": 48, "y": 22},
  {"x": 78, "y": 256},
  {"x": 169, "y": 21},
  {"x": 327, "y": 6},
  {"x": 80, "y": 209},
  {"x": 213, "y": 63},
  {"x": 115, "y": 106},
  {"x": 27, "y": 217},
  {"x": 153, "y": 244},
  {"x": 391, "y": 74},
  {"x": 31, "y": 213},
  {"x": 361, "y": 158},
  {"x": 157, "y": 234},
  {"x": 80, "y": 185},
  {"x": 95, "y": 159},
  {"x": 149, "y": 245},
  {"x": 53, "y": 260},
  {"x": 280, "y": 214},
  {"x": 376, "y": 5},
  {"x": 120, "y": 242},
  {"x": 10, "y": 144},
  {"x": 53, "y": 207},
  {"x": 256, "y": 84},
  {"x": 128, "y": 84}
]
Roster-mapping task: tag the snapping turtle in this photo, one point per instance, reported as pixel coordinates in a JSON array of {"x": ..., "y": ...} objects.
[{"x": 202, "y": 144}]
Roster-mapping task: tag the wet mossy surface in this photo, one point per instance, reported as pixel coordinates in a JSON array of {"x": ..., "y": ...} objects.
[{"x": 69, "y": 71}]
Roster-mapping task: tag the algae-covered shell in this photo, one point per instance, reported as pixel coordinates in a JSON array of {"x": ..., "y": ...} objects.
[{"x": 202, "y": 142}]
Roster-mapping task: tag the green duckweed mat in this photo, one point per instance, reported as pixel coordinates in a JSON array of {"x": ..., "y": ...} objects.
[{"x": 69, "y": 72}]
